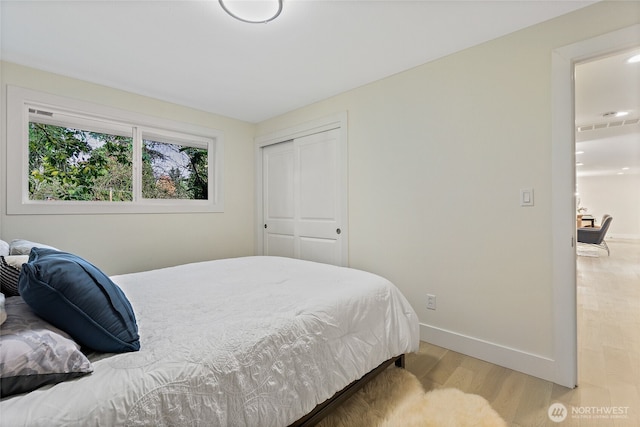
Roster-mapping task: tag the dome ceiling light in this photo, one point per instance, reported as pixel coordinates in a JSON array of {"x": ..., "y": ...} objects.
[
  {"x": 615, "y": 114},
  {"x": 252, "y": 11}
]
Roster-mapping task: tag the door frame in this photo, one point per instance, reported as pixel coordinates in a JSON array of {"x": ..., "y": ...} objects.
[
  {"x": 334, "y": 121},
  {"x": 563, "y": 199}
]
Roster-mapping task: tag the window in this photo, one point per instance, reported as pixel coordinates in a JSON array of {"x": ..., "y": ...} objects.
[
  {"x": 67, "y": 156},
  {"x": 80, "y": 160},
  {"x": 174, "y": 169}
]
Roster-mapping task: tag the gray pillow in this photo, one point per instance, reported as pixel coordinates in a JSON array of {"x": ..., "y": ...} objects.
[
  {"x": 34, "y": 353},
  {"x": 23, "y": 247}
]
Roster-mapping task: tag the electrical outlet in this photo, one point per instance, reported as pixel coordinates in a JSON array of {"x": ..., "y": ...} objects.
[{"x": 431, "y": 302}]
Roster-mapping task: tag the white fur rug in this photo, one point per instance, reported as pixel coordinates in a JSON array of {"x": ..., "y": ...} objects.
[{"x": 397, "y": 399}]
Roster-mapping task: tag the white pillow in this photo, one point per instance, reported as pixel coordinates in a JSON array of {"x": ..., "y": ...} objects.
[
  {"x": 4, "y": 248},
  {"x": 3, "y": 312},
  {"x": 17, "y": 260}
]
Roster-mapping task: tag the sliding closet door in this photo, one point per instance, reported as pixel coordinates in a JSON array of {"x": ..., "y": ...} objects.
[
  {"x": 302, "y": 198},
  {"x": 278, "y": 166}
]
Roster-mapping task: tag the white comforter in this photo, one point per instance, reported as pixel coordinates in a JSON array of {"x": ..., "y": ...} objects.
[{"x": 255, "y": 341}]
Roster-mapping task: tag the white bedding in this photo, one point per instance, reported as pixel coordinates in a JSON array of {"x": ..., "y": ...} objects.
[{"x": 256, "y": 341}]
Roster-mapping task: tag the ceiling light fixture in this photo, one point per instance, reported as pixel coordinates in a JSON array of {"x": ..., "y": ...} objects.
[
  {"x": 248, "y": 13},
  {"x": 634, "y": 59},
  {"x": 615, "y": 114}
]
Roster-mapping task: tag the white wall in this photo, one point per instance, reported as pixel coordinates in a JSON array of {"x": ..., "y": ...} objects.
[
  {"x": 126, "y": 243},
  {"x": 437, "y": 156},
  {"x": 616, "y": 195}
]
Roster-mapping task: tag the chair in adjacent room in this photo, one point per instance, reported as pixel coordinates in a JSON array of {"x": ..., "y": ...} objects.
[{"x": 594, "y": 236}]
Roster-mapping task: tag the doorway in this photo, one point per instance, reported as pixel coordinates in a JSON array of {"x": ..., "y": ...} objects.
[
  {"x": 563, "y": 192},
  {"x": 607, "y": 182}
]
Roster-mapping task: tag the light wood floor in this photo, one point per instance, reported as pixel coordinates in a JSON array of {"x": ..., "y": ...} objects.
[{"x": 608, "y": 354}]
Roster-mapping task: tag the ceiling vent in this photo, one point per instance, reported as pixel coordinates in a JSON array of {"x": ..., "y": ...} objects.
[{"x": 611, "y": 124}]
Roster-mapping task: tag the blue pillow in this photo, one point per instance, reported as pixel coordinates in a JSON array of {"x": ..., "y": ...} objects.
[{"x": 72, "y": 294}]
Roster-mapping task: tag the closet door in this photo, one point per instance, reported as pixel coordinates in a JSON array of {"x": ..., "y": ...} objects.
[
  {"x": 278, "y": 167},
  {"x": 302, "y": 198}
]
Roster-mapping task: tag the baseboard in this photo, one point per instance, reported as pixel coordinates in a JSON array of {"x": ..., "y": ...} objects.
[
  {"x": 528, "y": 363},
  {"x": 624, "y": 236}
]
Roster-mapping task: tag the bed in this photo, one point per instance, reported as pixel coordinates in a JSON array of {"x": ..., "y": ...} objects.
[{"x": 251, "y": 341}]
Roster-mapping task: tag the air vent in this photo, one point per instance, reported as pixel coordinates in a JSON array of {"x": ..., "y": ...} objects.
[
  {"x": 615, "y": 123},
  {"x": 42, "y": 113}
]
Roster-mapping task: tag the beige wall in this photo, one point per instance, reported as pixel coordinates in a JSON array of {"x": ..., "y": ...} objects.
[
  {"x": 437, "y": 156},
  {"x": 127, "y": 243}
]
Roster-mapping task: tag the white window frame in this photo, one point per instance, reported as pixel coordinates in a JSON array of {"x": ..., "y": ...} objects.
[{"x": 19, "y": 100}]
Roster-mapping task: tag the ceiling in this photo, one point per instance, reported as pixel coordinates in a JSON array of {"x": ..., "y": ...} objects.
[
  {"x": 606, "y": 144},
  {"x": 192, "y": 53}
]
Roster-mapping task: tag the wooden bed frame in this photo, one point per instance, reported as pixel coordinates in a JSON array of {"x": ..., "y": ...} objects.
[{"x": 325, "y": 408}]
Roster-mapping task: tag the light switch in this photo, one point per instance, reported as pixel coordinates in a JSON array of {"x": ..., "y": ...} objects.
[{"x": 526, "y": 197}]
